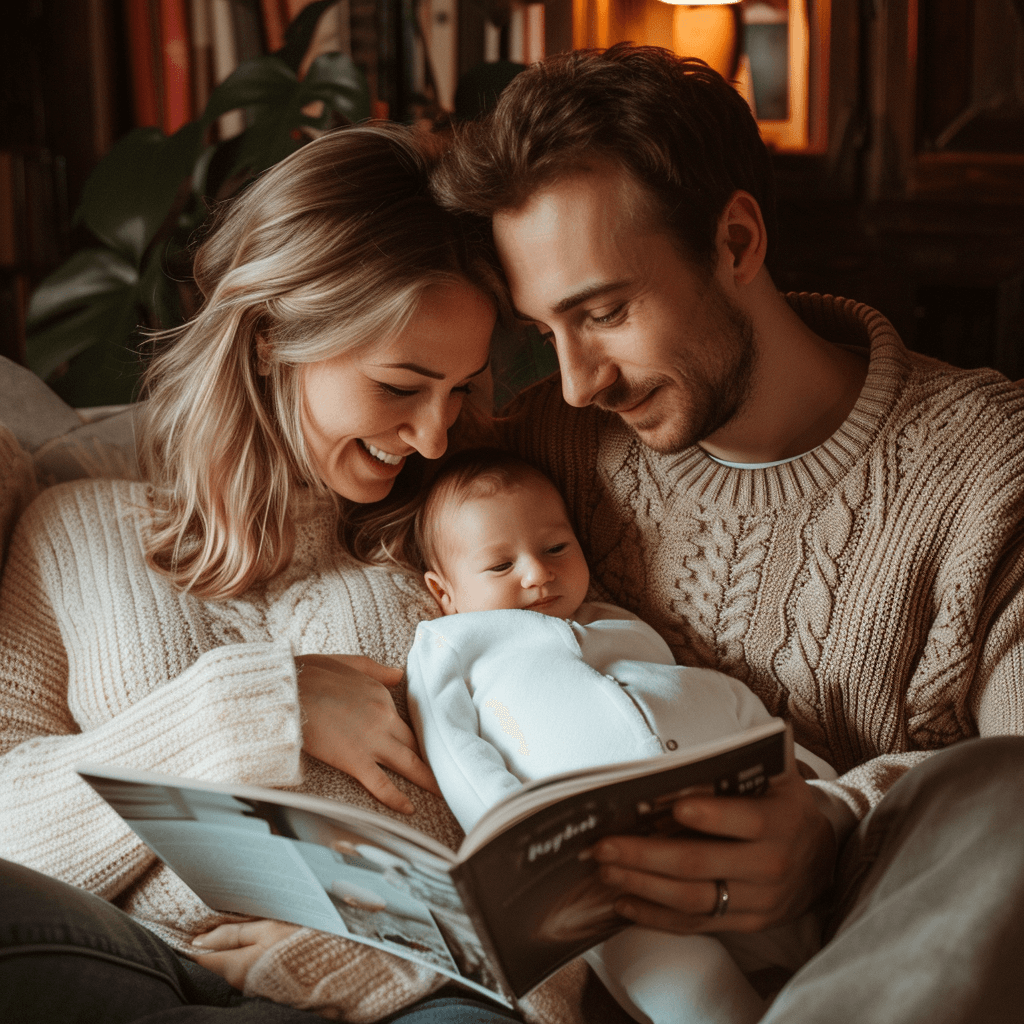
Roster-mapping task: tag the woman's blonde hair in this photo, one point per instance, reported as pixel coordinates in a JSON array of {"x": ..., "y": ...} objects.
[{"x": 329, "y": 250}]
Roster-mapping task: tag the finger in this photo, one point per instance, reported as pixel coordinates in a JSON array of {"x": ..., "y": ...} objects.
[
  {"x": 694, "y": 899},
  {"x": 686, "y": 897},
  {"x": 224, "y": 936},
  {"x": 409, "y": 765},
  {"x": 374, "y": 669},
  {"x": 653, "y": 915},
  {"x": 734, "y": 817},
  {"x": 232, "y": 965},
  {"x": 689, "y": 859},
  {"x": 380, "y": 786},
  {"x": 400, "y": 731}
]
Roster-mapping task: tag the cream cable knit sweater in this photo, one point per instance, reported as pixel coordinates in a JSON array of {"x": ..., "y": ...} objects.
[
  {"x": 871, "y": 591},
  {"x": 101, "y": 660}
]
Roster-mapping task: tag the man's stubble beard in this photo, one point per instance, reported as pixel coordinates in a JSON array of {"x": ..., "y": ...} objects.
[{"x": 715, "y": 392}]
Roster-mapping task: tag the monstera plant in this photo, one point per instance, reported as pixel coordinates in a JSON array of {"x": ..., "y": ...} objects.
[{"x": 147, "y": 197}]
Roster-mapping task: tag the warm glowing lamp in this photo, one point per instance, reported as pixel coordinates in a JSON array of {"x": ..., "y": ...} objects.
[{"x": 709, "y": 29}]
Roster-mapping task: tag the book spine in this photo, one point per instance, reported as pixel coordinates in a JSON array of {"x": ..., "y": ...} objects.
[
  {"x": 275, "y": 21},
  {"x": 156, "y": 57},
  {"x": 102, "y": 74},
  {"x": 533, "y": 33},
  {"x": 11, "y": 204},
  {"x": 177, "y": 70},
  {"x": 440, "y": 20},
  {"x": 515, "y": 33},
  {"x": 140, "y": 51},
  {"x": 225, "y": 60},
  {"x": 248, "y": 34},
  {"x": 202, "y": 53}
]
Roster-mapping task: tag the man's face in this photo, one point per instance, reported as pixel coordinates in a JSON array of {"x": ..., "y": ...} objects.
[{"x": 639, "y": 330}]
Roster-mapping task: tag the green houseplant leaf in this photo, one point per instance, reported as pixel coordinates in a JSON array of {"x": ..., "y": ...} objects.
[
  {"x": 90, "y": 298},
  {"x": 299, "y": 33},
  {"x": 275, "y": 98},
  {"x": 130, "y": 194},
  {"x": 335, "y": 79},
  {"x": 148, "y": 195},
  {"x": 75, "y": 302}
]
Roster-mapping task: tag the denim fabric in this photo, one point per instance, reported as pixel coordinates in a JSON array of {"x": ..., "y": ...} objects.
[
  {"x": 68, "y": 956},
  {"x": 928, "y": 919}
]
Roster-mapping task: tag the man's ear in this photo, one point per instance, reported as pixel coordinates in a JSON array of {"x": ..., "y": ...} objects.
[
  {"x": 440, "y": 591},
  {"x": 742, "y": 239}
]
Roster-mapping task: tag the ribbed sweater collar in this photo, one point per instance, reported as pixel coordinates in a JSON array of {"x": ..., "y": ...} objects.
[{"x": 841, "y": 321}]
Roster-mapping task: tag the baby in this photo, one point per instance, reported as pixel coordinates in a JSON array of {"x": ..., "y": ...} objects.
[{"x": 525, "y": 678}]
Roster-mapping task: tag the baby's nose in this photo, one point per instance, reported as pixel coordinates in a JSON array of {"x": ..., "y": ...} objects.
[{"x": 536, "y": 572}]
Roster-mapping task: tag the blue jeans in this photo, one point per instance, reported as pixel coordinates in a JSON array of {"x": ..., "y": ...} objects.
[{"x": 928, "y": 925}]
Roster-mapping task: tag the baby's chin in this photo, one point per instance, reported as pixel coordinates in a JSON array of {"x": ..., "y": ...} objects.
[{"x": 557, "y": 608}]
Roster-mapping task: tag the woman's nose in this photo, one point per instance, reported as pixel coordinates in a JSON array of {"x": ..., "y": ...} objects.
[{"x": 427, "y": 431}]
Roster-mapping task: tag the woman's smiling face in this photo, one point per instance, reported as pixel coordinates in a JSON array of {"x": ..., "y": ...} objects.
[{"x": 363, "y": 412}]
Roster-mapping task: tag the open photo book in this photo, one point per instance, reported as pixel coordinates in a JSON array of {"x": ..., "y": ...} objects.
[{"x": 520, "y": 898}]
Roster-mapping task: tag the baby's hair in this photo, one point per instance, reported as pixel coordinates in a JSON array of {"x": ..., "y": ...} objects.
[{"x": 473, "y": 473}]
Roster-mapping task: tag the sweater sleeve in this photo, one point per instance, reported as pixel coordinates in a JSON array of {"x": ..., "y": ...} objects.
[
  {"x": 470, "y": 771},
  {"x": 304, "y": 971},
  {"x": 233, "y": 715},
  {"x": 969, "y": 683},
  {"x": 996, "y": 698}
]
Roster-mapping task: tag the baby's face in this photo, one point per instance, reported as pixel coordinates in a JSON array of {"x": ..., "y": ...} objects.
[{"x": 512, "y": 549}]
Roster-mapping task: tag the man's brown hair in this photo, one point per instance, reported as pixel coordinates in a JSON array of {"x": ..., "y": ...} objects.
[{"x": 674, "y": 124}]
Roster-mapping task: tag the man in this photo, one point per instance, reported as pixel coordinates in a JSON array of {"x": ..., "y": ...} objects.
[{"x": 790, "y": 496}]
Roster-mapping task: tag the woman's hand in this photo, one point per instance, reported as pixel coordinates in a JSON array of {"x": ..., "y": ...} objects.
[
  {"x": 350, "y": 721},
  {"x": 238, "y": 947}
]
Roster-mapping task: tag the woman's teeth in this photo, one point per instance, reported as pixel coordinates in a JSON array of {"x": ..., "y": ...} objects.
[{"x": 391, "y": 460}]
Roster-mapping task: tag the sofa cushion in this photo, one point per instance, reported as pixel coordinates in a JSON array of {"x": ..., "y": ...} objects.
[
  {"x": 104, "y": 447},
  {"x": 65, "y": 444},
  {"x": 29, "y": 409}
]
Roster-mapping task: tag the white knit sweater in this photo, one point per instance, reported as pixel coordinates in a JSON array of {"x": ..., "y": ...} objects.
[{"x": 102, "y": 660}]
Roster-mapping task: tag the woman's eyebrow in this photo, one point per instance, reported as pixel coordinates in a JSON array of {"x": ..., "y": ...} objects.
[{"x": 432, "y": 374}]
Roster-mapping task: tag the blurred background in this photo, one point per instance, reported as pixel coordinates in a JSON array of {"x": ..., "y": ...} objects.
[{"x": 897, "y": 128}]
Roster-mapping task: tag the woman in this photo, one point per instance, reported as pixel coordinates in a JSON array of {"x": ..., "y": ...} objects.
[{"x": 192, "y": 626}]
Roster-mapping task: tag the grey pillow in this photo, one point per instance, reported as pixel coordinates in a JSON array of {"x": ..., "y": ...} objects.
[
  {"x": 103, "y": 448},
  {"x": 64, "y": 444},
  {"x": 29, "y": 409}
]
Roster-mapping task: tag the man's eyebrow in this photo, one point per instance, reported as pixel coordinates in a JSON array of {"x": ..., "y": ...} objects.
[
  {"x": 432, "y": 374},
  {"x": 577, "y": 298}
]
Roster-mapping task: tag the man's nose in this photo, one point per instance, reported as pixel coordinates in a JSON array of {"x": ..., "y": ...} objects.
[{"x": 584, "y": 375}]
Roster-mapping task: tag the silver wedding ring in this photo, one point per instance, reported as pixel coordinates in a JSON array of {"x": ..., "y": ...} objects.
[{"x": 721, "y": 898}]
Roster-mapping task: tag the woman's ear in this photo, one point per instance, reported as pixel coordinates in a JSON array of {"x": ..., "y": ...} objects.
[
  {"x": 742, "y": 238},
  {"x": 440, "y": 591}
]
